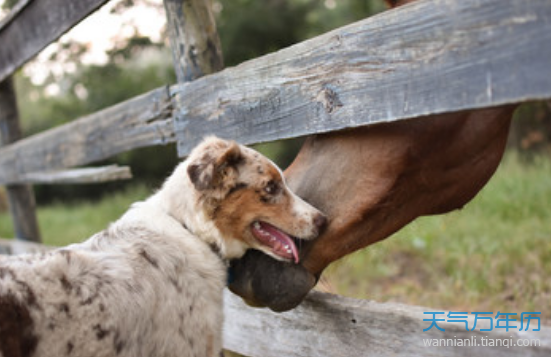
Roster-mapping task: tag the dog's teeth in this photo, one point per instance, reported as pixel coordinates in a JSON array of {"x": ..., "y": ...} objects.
[{"x": 256, "y": 225}]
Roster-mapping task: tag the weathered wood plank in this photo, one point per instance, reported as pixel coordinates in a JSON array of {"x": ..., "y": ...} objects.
[
  {"x": 36, "y": 24},
  {"x": 20, "y": 197},
  {"x": 196, "y": 48},
  {"x": 432, "y": 56},
  {"x": 428, "y": 57},
  {"x": 14, "y": 11},
  {"x": 23, "y": 212},
  {"x": 139, "y": 122},
  {"x": 79, "y": 176},
  {"x": 16, "y": 247},
  {"x": 328, "y": 325}
]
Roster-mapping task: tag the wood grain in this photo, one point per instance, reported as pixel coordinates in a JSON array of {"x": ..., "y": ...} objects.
[
  {"x": 330, "y": 325},
  {"x": 196, "y": 48},
  {"x": 20, "y": 197},
  {"x": 432, "y": 56},
  {"x": 79, "y": 176},
  {"x": 14, "y": 11},
  {"x": 139, "y": 122},
  {"x": 428, "y": 57},
  {"x": 35, "y": 24},
  {"x": 16, "y": 247}
]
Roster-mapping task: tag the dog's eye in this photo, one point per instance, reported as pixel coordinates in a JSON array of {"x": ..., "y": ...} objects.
[{"x": 271, "y": 188}]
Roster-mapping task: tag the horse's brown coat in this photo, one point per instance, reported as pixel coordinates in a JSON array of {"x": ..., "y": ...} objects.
[{"x": 371, "y": 182}]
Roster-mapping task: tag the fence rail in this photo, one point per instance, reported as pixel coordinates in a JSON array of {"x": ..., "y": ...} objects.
[
  {"x": 330, "y": 325},
  {"x": 453, "y": 56},
  {"x": 139, "y": 122},
  {"x": 34, "y": 24},
  {"x": 79, "y": 176},
  {"x": 424, "y": 58}
]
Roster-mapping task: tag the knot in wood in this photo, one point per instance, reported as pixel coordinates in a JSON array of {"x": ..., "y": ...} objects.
[{"x": 329, "y": 99}]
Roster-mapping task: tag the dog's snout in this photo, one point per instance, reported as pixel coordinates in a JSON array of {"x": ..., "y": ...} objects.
[{"x": 320, "y": 221}]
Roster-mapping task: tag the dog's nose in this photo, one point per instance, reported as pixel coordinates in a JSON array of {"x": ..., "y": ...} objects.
[{"x": 320, "y": 221}]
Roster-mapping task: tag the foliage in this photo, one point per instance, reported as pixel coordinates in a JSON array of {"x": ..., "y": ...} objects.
[
  {"x": 250, "y": 28},
  {"x": 133, "y": 69},
  {"x": 531, "y": 130},
  {"x": 8, "y": 4}
]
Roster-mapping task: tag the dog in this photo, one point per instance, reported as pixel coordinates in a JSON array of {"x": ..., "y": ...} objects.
[{"x": 151, "y": 284}]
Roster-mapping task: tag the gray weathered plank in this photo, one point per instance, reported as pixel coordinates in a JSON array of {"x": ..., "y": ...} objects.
[
  {"x": 35, "y": 25},
  {"x": 194, "y": 41},
  {"x": 431, "y": 56},
  {"x": 20, "y": 197},
  {"x": 16, "y": 247},
  {"x": 427, "y": 57},
  {"x": 14, "y": 11},
  {"x": 79, "y": 176},
  {"x": 329, "y": 325},
  {"x": 139, "y": 122},
  {"x": 23, "y": 212}
]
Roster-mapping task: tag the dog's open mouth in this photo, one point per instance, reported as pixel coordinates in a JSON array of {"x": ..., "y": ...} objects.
[{"x": 279, "y": 242}]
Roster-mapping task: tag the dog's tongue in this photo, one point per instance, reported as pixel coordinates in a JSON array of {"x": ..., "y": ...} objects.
[{"x": 280, "y": 243}]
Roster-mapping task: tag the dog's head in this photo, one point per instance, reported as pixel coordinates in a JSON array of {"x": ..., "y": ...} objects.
[{"x": 245, "y": 195}]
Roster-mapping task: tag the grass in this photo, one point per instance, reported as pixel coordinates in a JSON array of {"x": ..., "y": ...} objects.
[
  {"x": 493, "y": 255},
  {"x": 61, "y": 224}
]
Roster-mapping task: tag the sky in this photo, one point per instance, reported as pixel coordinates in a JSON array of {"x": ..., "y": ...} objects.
[{"x": 99, "y": 32}]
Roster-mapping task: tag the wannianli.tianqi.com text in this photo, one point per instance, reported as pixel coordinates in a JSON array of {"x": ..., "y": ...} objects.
[{"x": 481, "y": 341}]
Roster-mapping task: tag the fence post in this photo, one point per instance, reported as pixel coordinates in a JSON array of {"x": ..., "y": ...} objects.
[
  {"x": 194, "y": 40},
  {"x": 20, "y": 197}
]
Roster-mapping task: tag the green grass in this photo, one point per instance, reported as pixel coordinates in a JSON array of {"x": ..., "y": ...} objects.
[
  {"x": 61, "y": 224},
  {"x": 493, "y": 255}
]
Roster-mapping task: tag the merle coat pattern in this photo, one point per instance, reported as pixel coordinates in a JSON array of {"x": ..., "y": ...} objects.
[{"x": 151, "y": 284}]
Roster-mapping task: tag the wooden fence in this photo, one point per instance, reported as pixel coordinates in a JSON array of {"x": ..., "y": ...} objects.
[
  {"x": 326, "y": 325},
  {"x": 432, "y": 56}
]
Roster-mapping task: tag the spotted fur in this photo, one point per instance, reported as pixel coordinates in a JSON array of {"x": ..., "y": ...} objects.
[{"x": 151, "y": 284}]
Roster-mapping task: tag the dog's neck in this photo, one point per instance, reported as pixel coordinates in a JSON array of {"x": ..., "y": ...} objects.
[{"x": 179, "y": 199}]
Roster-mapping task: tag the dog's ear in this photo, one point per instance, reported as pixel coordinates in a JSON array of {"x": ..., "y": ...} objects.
[{"x": 217, "y": 167}]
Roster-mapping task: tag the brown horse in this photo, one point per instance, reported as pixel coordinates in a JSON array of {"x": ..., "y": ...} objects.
[{"x": 371, "y": 182}]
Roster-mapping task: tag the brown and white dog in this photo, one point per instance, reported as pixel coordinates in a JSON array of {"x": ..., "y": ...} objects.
[{"x": 151, "y": 284}]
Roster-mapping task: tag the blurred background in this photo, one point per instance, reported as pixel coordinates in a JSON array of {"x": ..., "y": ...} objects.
[{"x": 494, "y": 255}]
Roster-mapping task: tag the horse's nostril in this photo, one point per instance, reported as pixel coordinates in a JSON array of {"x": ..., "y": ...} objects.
[{"x": 320, "y": 222}]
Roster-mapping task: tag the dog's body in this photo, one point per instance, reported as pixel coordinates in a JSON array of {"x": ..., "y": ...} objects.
[
  {"x": 151, "y": 284},
  {"x": 120, "y": 293}
]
